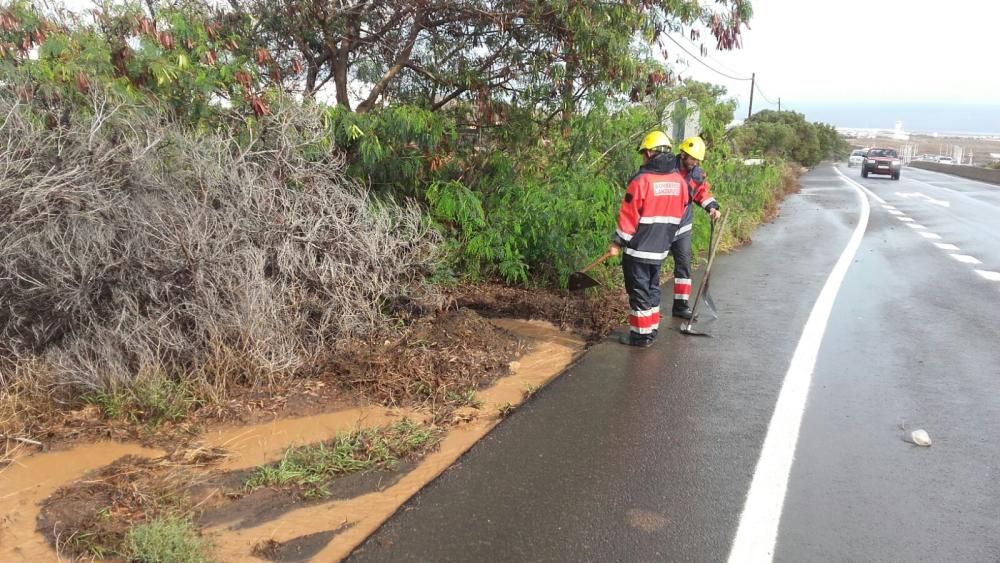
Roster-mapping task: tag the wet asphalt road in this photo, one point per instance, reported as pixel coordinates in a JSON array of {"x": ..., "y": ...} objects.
[{"x": 647, "y": 455}]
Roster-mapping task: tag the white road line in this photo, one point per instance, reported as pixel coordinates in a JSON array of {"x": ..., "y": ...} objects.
[
  {"x": 992, "y": 276},
  {"x": 894, "y": 212},
  {"x": 915, "y": 226},
  {"x": 758, "y": 530},
  {"x": 931, "y": 236},
  {"x": 888, "y": 207},
  {"x": 862, "y": 188},
  {"x": 946, "y": 246},
  {"x": 965, "y": 258},
  {"x": 905, "y": 219},
  {"x": 924, "y": 197}
]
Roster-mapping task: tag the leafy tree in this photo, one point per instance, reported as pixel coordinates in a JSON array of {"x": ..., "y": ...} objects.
[
  {"x": 788, "y": 135},
  {"x": 542, "y": 56},
  {"x": 185, "y": 57}
]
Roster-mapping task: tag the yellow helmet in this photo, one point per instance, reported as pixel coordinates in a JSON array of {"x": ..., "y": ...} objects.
[
  {"x": 694, "y": 146},
  {"x": 657, "y": 141}
]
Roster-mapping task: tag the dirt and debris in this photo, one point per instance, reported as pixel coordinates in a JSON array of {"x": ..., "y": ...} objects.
[
  {"x": 435, "y": 363},
  {"x": 593, "y": 314},
  {"x": 92, "y": 516},
  {"x": 438, "y": 362}
]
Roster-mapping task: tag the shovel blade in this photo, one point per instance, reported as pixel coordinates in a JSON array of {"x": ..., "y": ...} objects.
[
  {"x": 692, "y": 332},
  {"x": 578, "y": 281}
]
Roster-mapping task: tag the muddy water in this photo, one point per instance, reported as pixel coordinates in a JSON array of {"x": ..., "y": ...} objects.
[
  {"x": 550, "y": 353},
  {"x": 250, "y": 446},
  {"x": 29, "y": 480}
]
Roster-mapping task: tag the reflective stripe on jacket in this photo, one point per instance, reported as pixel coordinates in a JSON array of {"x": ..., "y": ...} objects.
[{"x": 652, "y": 210}]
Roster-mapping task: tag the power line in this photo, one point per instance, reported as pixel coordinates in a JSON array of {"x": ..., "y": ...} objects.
[
  {"x": 707, "y": 57},
  {"x": 708, "y": 66},
  {"x": 754, "y": 85},
  {"x": 763, "y": 95}
]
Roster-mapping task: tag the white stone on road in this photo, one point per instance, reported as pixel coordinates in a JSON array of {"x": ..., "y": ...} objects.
[{"x": 920, "y": 438}]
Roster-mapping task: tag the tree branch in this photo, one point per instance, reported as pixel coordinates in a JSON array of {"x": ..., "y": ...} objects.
[{"x": 401, "y": 60}]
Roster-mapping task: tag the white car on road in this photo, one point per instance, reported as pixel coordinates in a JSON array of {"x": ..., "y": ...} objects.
[
  {"x": 946, "y": 160},
  {"x": 856, "y": 158}
]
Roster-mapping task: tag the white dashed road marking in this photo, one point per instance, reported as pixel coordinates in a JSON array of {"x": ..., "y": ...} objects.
[
  {"x": 965, "y": 258},
  {"x": 992, "y": 276},
  {"x": 921, "y": 230}
]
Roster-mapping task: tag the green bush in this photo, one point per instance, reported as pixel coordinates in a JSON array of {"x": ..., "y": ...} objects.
[{"x": 787, "y": 135}]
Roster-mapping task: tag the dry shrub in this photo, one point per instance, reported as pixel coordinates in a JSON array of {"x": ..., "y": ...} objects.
[{"x": 132, "y": 245}]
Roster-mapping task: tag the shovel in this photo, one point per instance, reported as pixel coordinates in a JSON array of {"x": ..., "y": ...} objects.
[
  {"x": 714, "y": 239},
  {"x": 579, "y": 281}
]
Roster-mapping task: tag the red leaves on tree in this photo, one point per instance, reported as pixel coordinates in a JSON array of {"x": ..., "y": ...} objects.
[
  {"x": 166, "y": 39},
  {"x": 82, "y": 82},
  {"x": 244, "y": 79}
]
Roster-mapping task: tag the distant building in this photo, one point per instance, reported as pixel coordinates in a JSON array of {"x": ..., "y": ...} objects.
[{"x": 898, "y": 133}]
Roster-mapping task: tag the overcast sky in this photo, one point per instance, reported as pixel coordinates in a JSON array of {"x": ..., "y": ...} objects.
[{"x": 810, "y": 52}]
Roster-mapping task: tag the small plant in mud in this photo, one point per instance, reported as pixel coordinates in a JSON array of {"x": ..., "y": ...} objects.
[
  {"x": 505, "y": 410},
  {"x": 465, "y": 398},
  {"x": 165, "y": 539},
  {"x": 310, "y": 467},
  {"x": 89, "y": 543}
]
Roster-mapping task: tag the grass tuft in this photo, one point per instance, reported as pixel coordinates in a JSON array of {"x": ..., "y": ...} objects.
[
  {"x": 312, "y": 466},
  {"x": 164, "y": 540}
]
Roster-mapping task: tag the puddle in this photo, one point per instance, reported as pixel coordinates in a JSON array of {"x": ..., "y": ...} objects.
[
  {"x": 250, "y": 446},
  {"x": 334, "y": 528},
  {"x": 29, "y": 480},
  {"x": 550, "y": 353}
]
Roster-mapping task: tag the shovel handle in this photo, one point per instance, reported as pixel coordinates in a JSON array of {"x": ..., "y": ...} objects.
[{"x": 604, "y": 257}]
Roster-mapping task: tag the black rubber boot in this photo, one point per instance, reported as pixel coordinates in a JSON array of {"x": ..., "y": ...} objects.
[
  {"x": 639, "y": 341},
  {"x": 681, "y": 309}
]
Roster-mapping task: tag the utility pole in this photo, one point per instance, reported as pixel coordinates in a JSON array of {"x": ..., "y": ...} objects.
[
  {"x": 779, "y": 105},
  {"x": 753, "y": 80}
]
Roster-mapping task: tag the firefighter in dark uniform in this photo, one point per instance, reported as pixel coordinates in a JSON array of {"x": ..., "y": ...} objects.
[
  {"x": 650, "y": 214},
  {"x": 692, "y": 152}
]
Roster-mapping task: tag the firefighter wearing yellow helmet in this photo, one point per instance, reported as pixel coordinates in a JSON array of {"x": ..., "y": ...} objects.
[
  {"x": 655, "y": 201},
  {"x": 688, "y": 162}
]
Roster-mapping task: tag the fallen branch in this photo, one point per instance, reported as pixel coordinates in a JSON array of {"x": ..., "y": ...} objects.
[{"x": 22, "y": 440}]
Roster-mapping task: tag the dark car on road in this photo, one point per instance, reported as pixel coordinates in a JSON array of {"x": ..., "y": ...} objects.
[{"x": 881, "y": 161}]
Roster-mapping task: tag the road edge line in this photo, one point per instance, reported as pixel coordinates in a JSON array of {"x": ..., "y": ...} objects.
[{"x": 757, "y": 534}]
